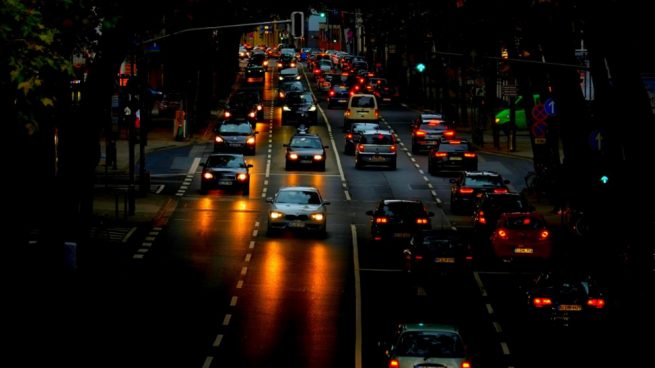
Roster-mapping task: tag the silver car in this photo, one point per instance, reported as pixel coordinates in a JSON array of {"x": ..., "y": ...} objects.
[{"x": 299, "y": 208}]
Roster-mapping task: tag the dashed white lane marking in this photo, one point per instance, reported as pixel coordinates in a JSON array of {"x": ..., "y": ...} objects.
[{"x": 129, "y": 233}]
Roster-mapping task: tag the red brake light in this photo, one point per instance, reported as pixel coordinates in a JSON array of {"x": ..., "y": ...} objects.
[
  {"x": 502, "y": 233},
  {"x": 544, "y": 234},
  {"x": 596, "y": 303},
  {"x": 501, "y": 190},
  {"x": 440, "y": 154},
  {"x": 465, "y": 190},
  {"x": 331, "y": 92},
  {"x": 469, "y": 154},
  {"x": 449, "y": 133},
  {"x": 381, "y": 220},
  {"x": 349, "y": 136},
  {"x": 421, "y": 221},
  {"x": 392, "y": 148},
  {"x": 393, "y": 363},
  {"x": 540, "y": 302},
  {"x": 420, "y": 133}
]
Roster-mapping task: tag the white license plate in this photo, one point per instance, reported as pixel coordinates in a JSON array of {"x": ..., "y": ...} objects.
[
  {"x": 225, "y": 182},
  {"x": 402, "y": 235},
  {"x": 524, "y": 250},
  {"x": 377, "y": 158},
  {"x": 455, "y": 159},
  {"x": 297, "y": 224},
  {"x": 235, "y": 144},
  {"x": 342, "y": 101},
  {"x": 444, "y": 260},
  {"x": 305, "y": 161},
  {"x": 386, "y": 99}
]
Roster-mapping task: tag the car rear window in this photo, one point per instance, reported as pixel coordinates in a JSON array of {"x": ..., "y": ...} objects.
[
  {"x": 524, "y": 223},
  {"x": 376, "y": 138},
  {"x": 363, "y": 101}
]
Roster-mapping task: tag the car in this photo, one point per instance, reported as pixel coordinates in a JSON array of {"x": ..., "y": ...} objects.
[
  {"x": 565, "y": 297},
  {"x": 427, "y": 131},
  {"x": 235, "y": 135},
  {"x": 300, "y": 108},
  {"x": 361, "y": 106},
  {"x": 490, "y": 206},
  {"x": 288, "y": 86},
  {"x": 287, "y": 61},
  {"x": 305, "y": 150},
  {"x": 468, "y": 186},
  {"x": 437, "y": 251},
  {"x": 225, "y": 170},
  {"x": 254, "y": 74},
  {"x": 384, "y": 91},
  {"x": 414, "y": 345},
  {"x": 297, "y": 208},
  {"x": 338, "y": 95},
  {"x": 452, "y": 155},
  {"x": 245, "y": 103},
  {"x": 376, "y": 148},
  {"x": 399, "y": 219},
  {"x": 352, "y": 135},
  {"x": 289, "y": 74},
  {"x": 522, "y": 235}
]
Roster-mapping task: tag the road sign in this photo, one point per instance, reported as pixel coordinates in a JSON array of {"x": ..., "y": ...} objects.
[
  {"x": 549, "y": 107},
  {"x": 539, "y": 129},
  {"x": 596, "y": 138},
  {"x": 539, "y": 112}
]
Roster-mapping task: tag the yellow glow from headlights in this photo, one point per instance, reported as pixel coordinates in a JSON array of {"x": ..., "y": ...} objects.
[
  {"x": 208, "y": 175},
  {"x": 276, "y": 215},
  {"x": 250, "y": 140},
  {"x": 218, "y": 139},
  {"x": 318, "y": 157},
  {"x": 293, "y": 156},
  {"x": 317, "y": 217},
  {"x": 242, "y": 177}
]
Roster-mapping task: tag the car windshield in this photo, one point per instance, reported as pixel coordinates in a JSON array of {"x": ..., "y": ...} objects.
[
  {"x": 299, "y": 98},
  {"x": 479, "y": 181},
  {"x": 305, "y": 142},
  {"x": 235, "y": 129},
  {"x": 506, "y": 204},
  {"x": 358, "y": 127},
  {"x": 524, "y": 223},
  {"x": 298, "y": 197},
  {"x": 432, "y": 344},
  {"x": 403, "y": 209},
  {"x": 363, "y": 101},
  {"x": 227, "y": 161}
]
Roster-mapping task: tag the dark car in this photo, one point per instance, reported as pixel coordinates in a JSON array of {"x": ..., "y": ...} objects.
[
  {"x": 437, "y": 251},
  {"x": 245, "y": 104},
  {"x": 451, "y": 155},
  {"x": 338, "y": 95},
  {"x": 300, "y": 108},
  {"x": 288, "y": 86},
  {"x": 286, "y": 61},
  {"x": 427, "y": 131},
  {"x": 490, "y": 206},
  {"x": 254, "y": 74},
  {"x": 565, "y": 297},
  {"x": 384, "y": 91},
  {"x": 235, "y": 136},
  {"x": 399, "y": 219},
  {"x": 376, "y": 148},
  {"x": 225, "y": 170},
  {"x": 305, "y": 150},
  {"x": 353, "y": 134},
  {"x": 468, "y": 187},
  {"x": 289, "y": 74}
]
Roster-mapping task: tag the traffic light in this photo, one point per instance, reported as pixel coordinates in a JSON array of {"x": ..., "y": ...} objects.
[
  {"x": 298, "y": 24},
  {"x": 604, "y": 179},
  {"x": 420, "y": 67}
]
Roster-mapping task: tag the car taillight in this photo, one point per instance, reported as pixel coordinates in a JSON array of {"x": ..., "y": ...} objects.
[
  {"x": 393, "y": 148},
  {"x": 598, "y": 303},
  {"x": 346, "y": 113},
  {"x": 544, "y": 234},
  {"x": 469, "y": 154},
  {"x": 501, "y": 190},
  {"x": 541, "y": 302},
  {"x": 393, "y": 363},
  {"x": 381, "y": 220},
  {"x": 331, "y": 93},
  {"x": 502, "y": 233},
  {"x": 449, "y": 133},
  {"x": 349, "y": 136},
  {"x": 420, "y": 133},
  {"x": 482, "y": 220},
  {"x": 360, "y": 147},
  {"x": 421, "y": 221},
  {"x": 377, "y": 113},
  {"x": 465, "y": 190},
  {"x": 441, "y": 154},
  {"x": 466, "y": 365}
]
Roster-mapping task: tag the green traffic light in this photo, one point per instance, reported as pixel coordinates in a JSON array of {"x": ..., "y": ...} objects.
[
  {"x": 322, "y": 15},
  {"x": 420, "y": 67},
  {"x": 604, "y": 179}
]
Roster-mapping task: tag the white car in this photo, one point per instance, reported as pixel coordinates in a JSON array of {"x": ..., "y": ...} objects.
[
  {"x": 297, "y": 208},
  {"x": 426, "y": 345}
]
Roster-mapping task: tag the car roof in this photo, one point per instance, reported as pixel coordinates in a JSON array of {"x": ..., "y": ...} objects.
[
  {"x": 226, "y": 154},
  {"x": 299, "y": 187},
  {"x": 440, "y": 327}
]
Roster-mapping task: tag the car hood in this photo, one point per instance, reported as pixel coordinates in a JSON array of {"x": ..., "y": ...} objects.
[{"x": 292, "y": 208}]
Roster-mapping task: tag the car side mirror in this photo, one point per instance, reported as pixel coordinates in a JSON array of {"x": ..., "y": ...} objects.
[{"x": 269, "y": 199}]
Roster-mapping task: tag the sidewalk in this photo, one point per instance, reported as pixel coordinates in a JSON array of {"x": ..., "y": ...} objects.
[{"x": 110, "y": 198}]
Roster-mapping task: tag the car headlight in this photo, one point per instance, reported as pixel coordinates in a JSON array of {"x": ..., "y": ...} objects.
[
  {"x": 274, "y": 215},
  {"x": 318, "y": 157},
  {"x": 293, "y": 156},
  {"x": 207, "y": 175},
  {"x": 312, "y": 108},
  {"x": 317, "y": 216},
  {"x": 286, "y": 108},
  {"x": 218, "y": 139},
  {"x": 250, "y": 140},
  {"x": 242, "y": 177}
]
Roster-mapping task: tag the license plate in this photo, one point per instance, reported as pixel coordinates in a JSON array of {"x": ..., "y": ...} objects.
[
  {"x": 444, "y": 260},
  {"x": 342, "y": 101},
  {"x": 455, "y": 159},
  {"x": 432, "y": 137},
  {"x": 402, "y": 235},
  {"x": 235, "y": 144},
  {"x": 377, "y": 158},
  {"x": 297, "y": 224},
  {"x": 386, "y": 99},
  {"x": 225, "y": 182},
  {"x": 523, "y": 250},
  {"x": 305, "y": 161},
  {"x": 570, "y": 307}
]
